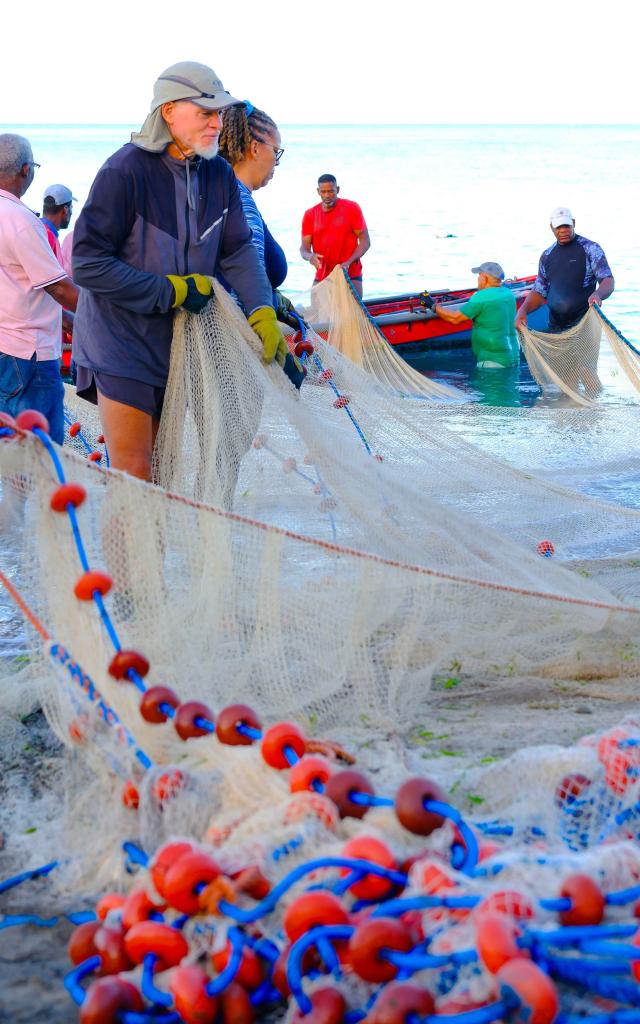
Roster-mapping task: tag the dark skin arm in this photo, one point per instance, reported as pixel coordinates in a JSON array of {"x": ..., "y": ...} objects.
[
  {"x": 532, "y": 302},
  {"x": 364, "y": 243},
  {"x": 602, "y": 292},
  {"x": 66, "y": 294}
]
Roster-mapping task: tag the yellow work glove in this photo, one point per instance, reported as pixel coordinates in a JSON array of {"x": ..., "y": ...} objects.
[
  {"x": 193, "y": 292},
  {"x": 264, "y": 323}
]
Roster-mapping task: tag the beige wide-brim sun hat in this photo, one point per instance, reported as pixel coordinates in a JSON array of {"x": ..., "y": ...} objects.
[{"x": 187, "y": 80}]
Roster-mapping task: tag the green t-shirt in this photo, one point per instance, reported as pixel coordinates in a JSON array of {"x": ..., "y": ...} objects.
[{"x": 493, "y": 311}]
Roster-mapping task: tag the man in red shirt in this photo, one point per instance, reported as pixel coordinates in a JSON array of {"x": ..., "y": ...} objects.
[{"x": 334, "y": 232}]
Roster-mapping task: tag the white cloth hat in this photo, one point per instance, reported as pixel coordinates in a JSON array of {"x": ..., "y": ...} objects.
[{"x": 560, "y": 216}]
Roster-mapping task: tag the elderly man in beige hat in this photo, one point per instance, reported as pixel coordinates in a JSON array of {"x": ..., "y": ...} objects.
[{"x": 163, "y": 215}]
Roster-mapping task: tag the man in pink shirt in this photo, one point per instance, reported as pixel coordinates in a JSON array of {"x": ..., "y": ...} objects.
[
  {"x": 57, "y": 210},
  {"x": 33, "y": 290}
]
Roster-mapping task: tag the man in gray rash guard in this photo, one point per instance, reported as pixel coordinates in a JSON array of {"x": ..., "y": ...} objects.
[{"x": 163, "y": 215}]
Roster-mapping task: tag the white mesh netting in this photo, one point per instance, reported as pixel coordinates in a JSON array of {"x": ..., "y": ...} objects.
[{"x": 323, "y": 556}]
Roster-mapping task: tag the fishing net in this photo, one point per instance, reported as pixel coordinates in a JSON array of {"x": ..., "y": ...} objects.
[
  {"x": 321, "y": 556},
  {"x": 569, "y": 361},
  {"x": 337, "y": 313}
]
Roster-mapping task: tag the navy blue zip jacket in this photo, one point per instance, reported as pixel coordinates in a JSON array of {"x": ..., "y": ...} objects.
[{"x": 149, "y": 215}]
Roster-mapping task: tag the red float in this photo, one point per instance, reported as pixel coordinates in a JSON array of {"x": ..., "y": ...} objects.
[
  {"x": 110, "y": 901},
  {"x": 107, "y": 998},
  {"x": 228, "y": 721},
  {"x": 167, "y": 944},
  {"x": 496, "y": 943},
  {"x": 304, "y": 348},
  {"x": 410, "y": 806},
  {"x": 67, "y": 494},
  {"x": 279, "y": 736},
  {"x": 398, "y": 1001},
  {"x": 31, "y": 419},
  {"x": 95, "y": 457},
  {"x": 100, "y": 438},
  {"x": 74, "y": 429},
  {"x": 7, "y": 421},
  {"x": 168, "y": 785},
  {"x": 137, "y": 907},
  {"x": 507, "y": 901},
  {"x": 252, "y": 882},
  {"x": 546, "y": 548},
  {"x": 310, "y": 910},
  {"x": 130, "y": 796},
  {"x": 184, "y": 720},
  {"x": 90, "y": 582},
  {"x": 310, "y": 773},
  {"x": 81, "y": 945},
  {"x": 151, "y": 701},
  {"x": 368, "y": 943},
  {"x": 164, "y": 859},
  {"x": 521, "y": 981},
  {"x": 587, "y": 901},
  {"x": 236, "y": 1006},
  {"x": 124, "y": 662},
  {"x": 341, "y": 401},
  {"x": 327, "y": 1007},
  {"x": 181, "y": 882},
  {"x": 188, "y": 988},
  {"x": 569, "y": 788},
  {"x": 341, "y": 787},
  {"x": 109, "y": 946},
  {"x": 250, "y": 970},
  {"x": 370, "y": 887}
]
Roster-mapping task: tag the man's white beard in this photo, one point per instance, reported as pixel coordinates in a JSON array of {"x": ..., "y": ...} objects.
[{"x": 207, "y": 152}]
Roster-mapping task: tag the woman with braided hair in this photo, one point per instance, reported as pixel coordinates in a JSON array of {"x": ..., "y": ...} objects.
[{"x": 251, "y": 143}]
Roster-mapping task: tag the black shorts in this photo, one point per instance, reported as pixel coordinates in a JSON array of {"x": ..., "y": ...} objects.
[{"x": 133, "y": 393}]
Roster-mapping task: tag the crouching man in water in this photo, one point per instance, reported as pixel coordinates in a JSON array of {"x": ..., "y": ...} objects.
[
  {"x": 492, "y": 309},
  {"x": 163, "y": 215}
]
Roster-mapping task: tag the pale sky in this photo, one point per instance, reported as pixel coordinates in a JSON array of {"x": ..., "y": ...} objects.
[{"x": 359, "y": 61}]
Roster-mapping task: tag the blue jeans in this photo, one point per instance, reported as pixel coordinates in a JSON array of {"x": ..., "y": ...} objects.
[{"x": 29, "y": 384}]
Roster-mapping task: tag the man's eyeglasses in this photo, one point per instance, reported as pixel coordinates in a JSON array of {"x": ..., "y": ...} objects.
[{"x": 33, "y": 164}]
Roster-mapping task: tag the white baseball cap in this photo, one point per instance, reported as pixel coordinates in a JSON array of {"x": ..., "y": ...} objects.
[{"x": 561, "y": 216}]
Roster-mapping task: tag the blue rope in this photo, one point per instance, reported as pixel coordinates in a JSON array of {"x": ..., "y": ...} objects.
[
  {"x": 615, "y": 330},
  {"x": 25, "y": 876}
]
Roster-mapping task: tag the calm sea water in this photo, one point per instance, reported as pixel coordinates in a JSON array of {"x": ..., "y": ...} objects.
[{"x": 437, "y": 199}]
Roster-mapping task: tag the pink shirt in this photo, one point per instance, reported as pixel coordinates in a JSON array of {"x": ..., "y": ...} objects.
[{"x": 30, "y": 320}]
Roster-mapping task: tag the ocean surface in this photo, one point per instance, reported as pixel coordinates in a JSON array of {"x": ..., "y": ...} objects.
[{"x": 437, "y": 199}]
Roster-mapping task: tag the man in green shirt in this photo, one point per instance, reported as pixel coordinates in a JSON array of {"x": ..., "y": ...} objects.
[{"x": 492, "y": 309}]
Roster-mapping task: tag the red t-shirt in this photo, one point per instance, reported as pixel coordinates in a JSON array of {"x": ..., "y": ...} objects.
[{"x": 333, "y": 235}]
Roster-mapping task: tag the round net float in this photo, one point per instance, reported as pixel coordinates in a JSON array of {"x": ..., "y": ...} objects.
[
  {"x": 303, "y": 348},
  {"x": 75, "y": 429},
  {"x": 92, "y": 582},
  {"x": 100, "y": 439},
  {"x": 277, "y": 739},
  {"x": 249, "y": 974},
  {"x": 410, "y": 808},
  {"x": 570, "y": 788},
  {"x": 167, "y": 944},
  {"x": 369, "y": 943},
  {"x": 81, "y": 945},
  {"x": 259, "y": 441},
  {"x": 546, "y": 548},
  {"x": 67, "y": 494},
  {"x": 188, "y": 986},
  {"x": 95, "y": 457},
  {"x": 328, "y": 1006},
  {"x": 168, "y": 785},
  {"x": 341, "y": 401},
  {"x": 311, "y": 910},
  {"x": 164, "y": 859},
  {"x": 528, "y": 992},
  {"x": 507, "y": 901},
  {"x": 78, "y": 728},
  {"x": 307, "y": 804},
  {"x": 232, "y": 720},
  {"x": 7, "y": 421},
  {"x": 107, "y": 999},
  {"x": 587, "y": 901},
  {"x": 251, "y": 881},
  {"x": 236, "y": 1005},
  {"x": 326, "y": 375},
  {"x": 152, "y": 701},
  {"x": 185, "y": 719},
  {"x": 137, "y": 907},
  {"x": 130, "y": 795},
  {"x": 110, "y": 901},
  {"x": 310, "y": 773},
  {"x": 124, "y": 662},
  {"x": 184, "y": 880},
  {"x": 31, "y": 419},
  {"x": 370, "y": 887},
  {"x": 342, "y": 786},
  {"x": 109, "y": 946},
  {"x": 398, "y": 1001},
  {"x": 496, "y": 936}
]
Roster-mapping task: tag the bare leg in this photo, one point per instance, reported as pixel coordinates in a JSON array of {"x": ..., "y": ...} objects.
[{"x": 129, "y": 435}]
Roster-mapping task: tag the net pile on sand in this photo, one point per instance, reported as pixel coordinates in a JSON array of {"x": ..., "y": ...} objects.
[
  {"x": 320, "y": 556},
  {"x": 569, "y": 361}
]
